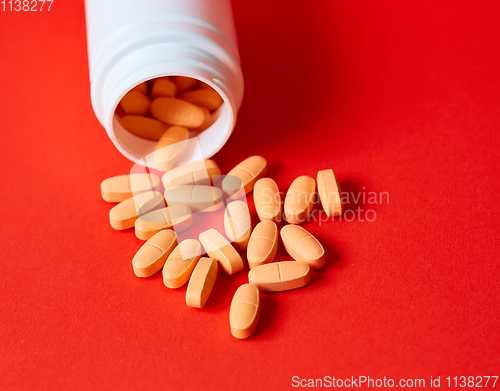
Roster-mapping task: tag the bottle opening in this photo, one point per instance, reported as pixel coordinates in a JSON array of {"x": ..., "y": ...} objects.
[{"x": 191, "y": 107}]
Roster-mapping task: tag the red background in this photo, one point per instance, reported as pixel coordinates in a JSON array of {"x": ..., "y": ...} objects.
[{"x": 396, "y": 96}]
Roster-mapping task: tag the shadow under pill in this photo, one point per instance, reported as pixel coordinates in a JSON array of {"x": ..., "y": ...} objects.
[
  {"x": 219, "y": 295},
  {"x": 332, "y": 254},
  {"x": 268, "y": 308},
  {"x": 352, "y": 196},
  {"x": 273, "y": 170}
]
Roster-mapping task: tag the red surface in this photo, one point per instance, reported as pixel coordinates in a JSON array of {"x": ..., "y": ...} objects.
[{"x": 396, "y": 96}]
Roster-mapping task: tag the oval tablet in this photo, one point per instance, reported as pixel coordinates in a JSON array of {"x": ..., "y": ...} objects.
[
  {"x": 163, "y": 87},
  {"x": 171, "y": 147},
  {"x": 267, "y": 200},
  {"x": 280, "y": 276},
  {"x": 181, "y": 262},
  {"x": 143, "y": 87},
  {"x": 124, "y": 214},
  {"x": 202, "y": 85},
  {"x": 302, "y": 246},
  {"x": 208, "y": 98},
  {"x": 196, "y": 197},
  {"x": 144, "y": 127},
  {"x": 329, "y": 193},
  {"x": 184, "y": 83},
  {"x": 177, "y": 112},
  {"x": 177, "y": 217},
  {"x": 245, "y": 311},
  {"x": 207, "y": 122},
  {"x": 152, "y": 255},
  {"x": 232, "y": 187},
  {"x": 196, "y": 173},
  {"x": 217, "y": 247},
  {"x": 201, "y": 283},
  {"x": 249, "y": 171},
  {"x": 237, "y": 224},
  {"x": 299, "y": 200},
  {"x": 263, "y": 244},
  {"x": 135, "y": 102},
  {"x": 122, "y": 187}
]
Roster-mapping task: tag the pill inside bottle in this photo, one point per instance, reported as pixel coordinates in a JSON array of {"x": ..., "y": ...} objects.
[{"x": 149, "y": 109}]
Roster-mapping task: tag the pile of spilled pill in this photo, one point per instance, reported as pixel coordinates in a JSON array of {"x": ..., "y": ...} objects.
[{"x": 199, "y": 187}]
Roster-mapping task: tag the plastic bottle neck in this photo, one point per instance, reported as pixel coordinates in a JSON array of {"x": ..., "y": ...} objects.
[{"x": 162, "y": 54}]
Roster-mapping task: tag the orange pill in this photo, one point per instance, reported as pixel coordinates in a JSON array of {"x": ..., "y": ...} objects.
[
  {"x": 197, "y": 197},
  {"x": 163, "y": 87},
  {"x": 143, "y": 87},
  {"x": 237, "y": 224},
  {"x": 170, "y": 148},
  {"x": 217, "y": 247},
  {"x": 280, "y": 276},
  {"x": 184, "y": 83},
  {"x": 201, "y": 283},
  {"x": 144, "y": 127},
  {"x": 152, "y": 255},
  {"x": 177, "y": 112},
  {"x": 122, "y": 187},
  {"x": 123, "y": 215},
  {"x": 208, "y": 98},
  {"x": 232, "y": 187},
  {"x": 204, "y": 86},
  {"x": 302, "y": 246},
  {"x": 244, "y": 311},
  {"x": 180, "y": 263},
  {"x": 196, "y": 173},
  {"x": 263, "y": 244},
  {"x": 178, "y": 217},
  {"x": 267, "y": 200},
  {"x": 208, "y": 121},
  {"x": 299, "y": 200},
  {"x": 119, "y": 111},
  {"x": 249, "y": 171},
  {"x": 329, "y": 193},
  {"x": 135, "y": 103}
]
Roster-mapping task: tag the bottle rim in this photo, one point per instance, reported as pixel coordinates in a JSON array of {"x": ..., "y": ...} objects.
[{"x": 150, "y": 62}]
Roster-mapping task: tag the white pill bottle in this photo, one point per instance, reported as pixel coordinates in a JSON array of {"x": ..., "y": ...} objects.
[{"x": 132, "y": 41}]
